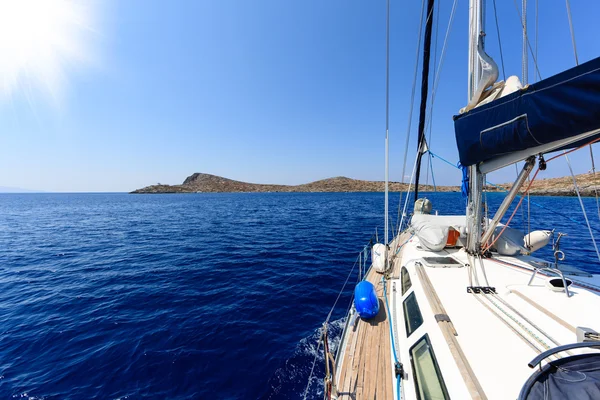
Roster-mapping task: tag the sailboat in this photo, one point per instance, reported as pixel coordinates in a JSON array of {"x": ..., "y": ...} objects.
[{"x": 459, "y": 306}]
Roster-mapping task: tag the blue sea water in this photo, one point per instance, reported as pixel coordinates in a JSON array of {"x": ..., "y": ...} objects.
[{"x": 196, "y": 296}]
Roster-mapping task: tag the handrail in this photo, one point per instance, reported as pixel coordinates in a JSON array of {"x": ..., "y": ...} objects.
[{"x": 558, "y": 349}]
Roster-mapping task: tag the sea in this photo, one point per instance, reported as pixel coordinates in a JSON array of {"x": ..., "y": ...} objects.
[{"x": 197, "y": 296}]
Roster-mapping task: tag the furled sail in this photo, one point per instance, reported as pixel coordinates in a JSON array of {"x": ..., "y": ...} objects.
[{"x": 552, "y": 111}]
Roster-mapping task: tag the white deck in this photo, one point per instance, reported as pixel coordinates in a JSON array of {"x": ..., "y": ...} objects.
[
  {"x": 498, "y": 334},
  {"x": 497, "y": 355}
]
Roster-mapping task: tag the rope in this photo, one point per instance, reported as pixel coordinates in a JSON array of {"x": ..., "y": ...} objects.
[
  {"x": 519, "y": 323},
  {"x": 505, "y": 322},
  {"x": 500, "y": 42},
  {"x": 525, "y": 318},
  {"x": 402, "y": 245}
]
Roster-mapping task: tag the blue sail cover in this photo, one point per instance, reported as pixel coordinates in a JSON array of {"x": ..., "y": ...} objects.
[{"x": 560, "y": 107}]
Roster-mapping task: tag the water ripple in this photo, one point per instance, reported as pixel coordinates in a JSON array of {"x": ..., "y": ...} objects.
[{"x": 186, "y": 296}]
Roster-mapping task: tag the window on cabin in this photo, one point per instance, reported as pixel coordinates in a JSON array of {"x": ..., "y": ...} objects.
[
  {"x": 405, "y": 279},
  {"x": 429, "y": 383},
  {"x": 412, "y": 314}
]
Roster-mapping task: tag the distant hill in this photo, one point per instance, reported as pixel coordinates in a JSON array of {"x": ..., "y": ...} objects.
[{"x": 206, "y": 183}]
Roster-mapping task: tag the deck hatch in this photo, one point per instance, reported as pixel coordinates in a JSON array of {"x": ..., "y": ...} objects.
[{"x": 442, "y": 262}]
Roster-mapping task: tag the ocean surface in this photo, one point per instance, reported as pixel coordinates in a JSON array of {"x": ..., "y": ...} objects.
[{"x": 193, "y": 296}]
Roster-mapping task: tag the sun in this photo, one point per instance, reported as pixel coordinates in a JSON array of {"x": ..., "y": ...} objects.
[{"x": 41, "y": 41}]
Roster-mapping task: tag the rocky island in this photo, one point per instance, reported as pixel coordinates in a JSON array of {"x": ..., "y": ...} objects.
[{"x": 206, "y": 183}]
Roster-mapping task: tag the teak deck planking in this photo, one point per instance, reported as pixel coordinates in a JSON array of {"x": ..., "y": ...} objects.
[{"x": 366, "y": 371}]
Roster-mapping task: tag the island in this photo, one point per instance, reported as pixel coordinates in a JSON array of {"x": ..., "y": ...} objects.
[{"x": 207, "y": 183}]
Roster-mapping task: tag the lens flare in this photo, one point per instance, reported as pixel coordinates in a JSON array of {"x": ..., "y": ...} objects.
[{"x": 41, "y": 41}]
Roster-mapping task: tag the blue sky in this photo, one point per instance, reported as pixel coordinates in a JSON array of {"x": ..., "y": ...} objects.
[{"x": 266, "y": 91}]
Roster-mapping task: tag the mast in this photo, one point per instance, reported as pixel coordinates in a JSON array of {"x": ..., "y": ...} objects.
[
  {"x": 424, "y": 91},
  {"x": 474, "y": 205}
]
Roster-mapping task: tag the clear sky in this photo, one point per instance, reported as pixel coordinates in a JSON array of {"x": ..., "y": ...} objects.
[{"x": 117, "y": 95}]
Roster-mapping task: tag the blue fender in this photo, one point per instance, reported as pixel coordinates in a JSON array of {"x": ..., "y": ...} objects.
[{"x": 365, "y": 300}]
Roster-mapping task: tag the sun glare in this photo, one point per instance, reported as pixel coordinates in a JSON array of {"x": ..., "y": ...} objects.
[{"x": 40, "y": 42}]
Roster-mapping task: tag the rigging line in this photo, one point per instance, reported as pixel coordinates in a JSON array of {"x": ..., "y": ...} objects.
[
  {"x": 435, "y": 53},
  {"x": 536, "y": 34},
  {"x": 437, "y": 73},
  {"x": 568, "y": 4},
  {"x": 595, "y": 180},
  {"x": 582, "y": 206},
  {"x": 564, "y": 153},
  {"x": 525, "y": 65},
  {"x": 387, "y": 122},
  {"x": 432, "y": 175},
  {"x": 341, "y": 291},
  {"x": 513, "y": 213},
  {"x": 535, "y": 63},
  {"x": 528, "y": 240},
  {"x": 532, "y": 202},
  {"x": 312, "y": 368},
  {"x": 407, "y": 196},
  {"x": 500, "y": 42},
  {"x": 412, "y": 96},
  {"x": 572, "y": 31},
  {"x": 522, "y": 209},
  {"x": 424, "y": 93},
  {"x": 441, "y": 62}
]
